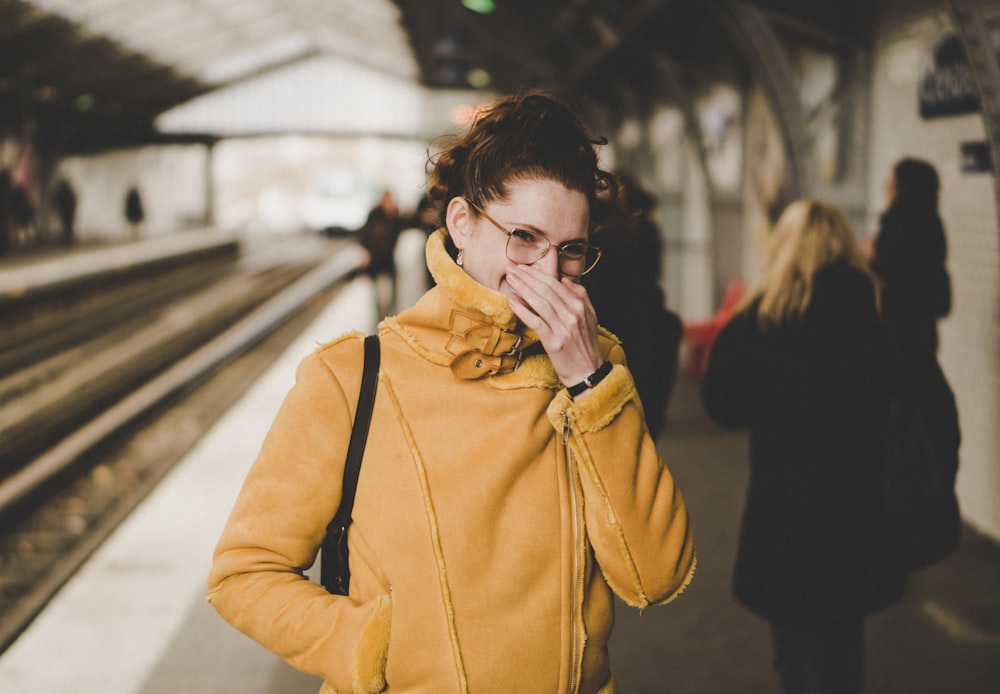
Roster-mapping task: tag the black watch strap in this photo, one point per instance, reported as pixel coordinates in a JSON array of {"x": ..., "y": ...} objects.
[{"x": 591, "y": 380}]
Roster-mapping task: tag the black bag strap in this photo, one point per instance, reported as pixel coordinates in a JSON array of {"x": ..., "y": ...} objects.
[
  {"x": 359, "y": 434},
  {"x": 355, "y": 451}
]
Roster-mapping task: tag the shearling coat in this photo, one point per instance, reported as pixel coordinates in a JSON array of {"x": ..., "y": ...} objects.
[
  {"x": 815, "y": 396},
  {"x": 493, "y": 511}
]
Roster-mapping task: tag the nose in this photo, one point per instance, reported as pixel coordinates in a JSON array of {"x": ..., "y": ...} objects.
[{"x": 549, "y": 262}]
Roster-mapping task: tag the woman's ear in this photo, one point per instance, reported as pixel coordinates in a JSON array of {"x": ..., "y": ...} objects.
[{"x": 458, "y": 219}]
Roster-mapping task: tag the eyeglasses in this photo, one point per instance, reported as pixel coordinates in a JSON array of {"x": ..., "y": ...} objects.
[{"x": 526, "y": 247}]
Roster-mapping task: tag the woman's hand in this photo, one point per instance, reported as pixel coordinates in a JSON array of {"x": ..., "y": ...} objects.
[{"x": 560, "y": 313}]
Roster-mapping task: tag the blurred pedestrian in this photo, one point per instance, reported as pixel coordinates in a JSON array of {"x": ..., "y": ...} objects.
[
  {"x": 909, "y": 255},
  {"x": 22, "y": 217},
  {"x": 805, "y": 363},
  {"x": 379, "y": 235},
  {"x": 134, "y": 211},
  {"x": 6, "y": 211},
  {"x": 626, "y": 293},
  {"x": 65, "y": 200},
  {"x": 413, "y": 278},
  {"x": 426, "y": 216},
  {"x": 508, "y": 485}
]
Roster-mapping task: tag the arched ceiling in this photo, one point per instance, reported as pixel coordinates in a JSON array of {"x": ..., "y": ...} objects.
[
  {"x": 597, "y": 47},
  {"x": 104, "y": 69}
]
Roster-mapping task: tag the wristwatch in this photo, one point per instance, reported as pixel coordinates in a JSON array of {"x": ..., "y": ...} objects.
[{"x": 591, "y": 380}]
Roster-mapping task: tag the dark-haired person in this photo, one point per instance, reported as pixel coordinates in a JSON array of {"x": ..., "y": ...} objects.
[
  {"x": 509, "y": 484},
  {"x": 626, "y": 293},
  {"x": 909, "y": 255}
]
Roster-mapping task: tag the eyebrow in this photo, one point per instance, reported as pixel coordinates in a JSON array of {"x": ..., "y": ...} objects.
[
  {"x": 578, "y": 239},
  {"x": 525, "y": 227},
  {"x": 532, "y": 228}
]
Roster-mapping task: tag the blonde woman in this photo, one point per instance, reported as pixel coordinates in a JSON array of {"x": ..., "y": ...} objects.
[{"x": 804, "y": 363}]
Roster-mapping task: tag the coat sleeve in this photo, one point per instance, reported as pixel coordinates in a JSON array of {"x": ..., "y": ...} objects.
[
  {"x": 635, "y": 516},
  {"x": 273, "y": 534},
  {"x": 725, "y": 386}
]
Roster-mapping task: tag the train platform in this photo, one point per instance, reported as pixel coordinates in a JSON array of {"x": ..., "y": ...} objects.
[
  {"x": 49, "y": 268},
  {"x": 134, "y": 620}
]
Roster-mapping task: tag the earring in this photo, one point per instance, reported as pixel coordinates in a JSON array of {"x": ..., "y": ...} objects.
[{"x": 458, "y": 260}]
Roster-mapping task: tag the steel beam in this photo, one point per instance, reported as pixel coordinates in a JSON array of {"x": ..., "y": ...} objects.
[{"x": 773, "y": 71}]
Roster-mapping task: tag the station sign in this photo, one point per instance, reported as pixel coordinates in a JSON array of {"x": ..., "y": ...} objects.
[{"x": 948, "y": 87}]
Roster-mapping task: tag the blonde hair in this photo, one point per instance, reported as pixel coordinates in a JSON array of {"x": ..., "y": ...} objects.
[{"x": 808, "y": 235}]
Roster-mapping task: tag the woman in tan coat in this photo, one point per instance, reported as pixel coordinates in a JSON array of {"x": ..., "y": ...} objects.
[{"x": 509, "y": 483}]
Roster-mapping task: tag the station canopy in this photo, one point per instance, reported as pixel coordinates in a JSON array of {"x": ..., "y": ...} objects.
[
  {"x": 94, "y": 63},
  {"x": 218, "y": 41}
]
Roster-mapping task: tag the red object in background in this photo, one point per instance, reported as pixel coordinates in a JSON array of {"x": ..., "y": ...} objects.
[{"x": 700, "y": 335}]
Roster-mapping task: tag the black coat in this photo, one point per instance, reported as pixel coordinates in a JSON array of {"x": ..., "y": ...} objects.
[
  {"x": 910, "y": 255},
  {"x": 625, "y": 291},
  {"x": 815, "y": 397}
]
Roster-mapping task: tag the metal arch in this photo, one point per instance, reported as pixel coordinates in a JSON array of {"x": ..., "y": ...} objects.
[
  {"x": 615, "y": 36},
  {"x": 983, "y": 63},
  {"x": 750, "y": 30},
  {"x": 670, "y": 78}
]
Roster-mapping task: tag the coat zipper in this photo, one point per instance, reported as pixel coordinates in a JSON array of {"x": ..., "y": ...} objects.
[{"x": 574, "y": 506}]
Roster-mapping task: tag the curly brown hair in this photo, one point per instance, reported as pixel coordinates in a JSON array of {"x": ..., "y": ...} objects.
[{"x": 526, "y": 135}]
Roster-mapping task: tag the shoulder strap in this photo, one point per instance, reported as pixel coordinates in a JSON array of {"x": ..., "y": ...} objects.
[{"x": 359, "y": 433}]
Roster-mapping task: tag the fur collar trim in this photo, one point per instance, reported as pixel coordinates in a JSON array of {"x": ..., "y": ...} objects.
[
  {"x": 429, "y": 326},
  {"x": 464, "y": 290}
]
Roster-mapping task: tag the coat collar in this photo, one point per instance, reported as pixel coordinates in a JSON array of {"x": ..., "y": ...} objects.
[{"x": 470, "y": 328}]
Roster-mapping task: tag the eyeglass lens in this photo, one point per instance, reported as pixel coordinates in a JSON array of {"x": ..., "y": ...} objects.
[{"x": 527, "y": 247}]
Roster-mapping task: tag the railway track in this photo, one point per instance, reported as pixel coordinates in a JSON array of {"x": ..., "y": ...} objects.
[{"x": 92, "y": 420}]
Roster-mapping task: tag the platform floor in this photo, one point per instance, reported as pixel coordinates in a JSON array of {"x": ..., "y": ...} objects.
[{"x": 134, "y": 620}]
